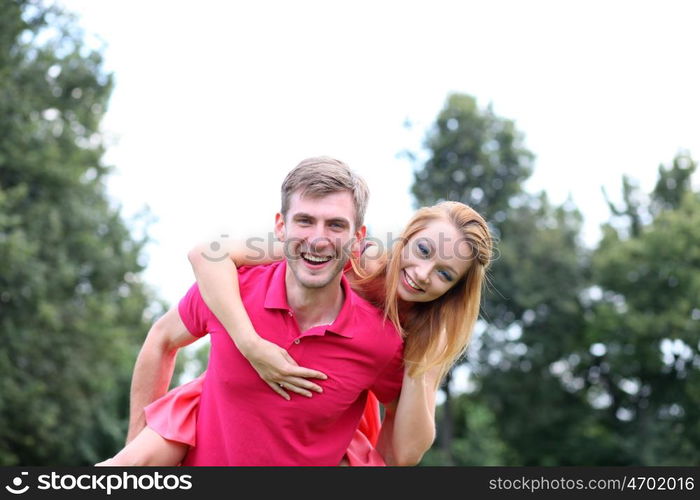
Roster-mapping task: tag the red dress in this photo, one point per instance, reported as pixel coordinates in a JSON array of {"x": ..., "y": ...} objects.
[{"x": 174, "y": 417}]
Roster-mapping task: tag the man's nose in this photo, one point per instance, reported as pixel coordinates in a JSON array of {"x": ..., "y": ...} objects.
[{"x": 319, "y": 238}]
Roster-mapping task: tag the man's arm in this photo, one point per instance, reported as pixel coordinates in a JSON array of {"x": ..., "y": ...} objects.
[{"x": 154, "y": 366}]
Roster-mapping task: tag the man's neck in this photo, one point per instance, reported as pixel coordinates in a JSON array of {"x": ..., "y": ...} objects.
[{"x": 314, "y": 306}]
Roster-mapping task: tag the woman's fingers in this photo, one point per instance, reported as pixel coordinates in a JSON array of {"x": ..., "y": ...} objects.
[
  {"x": 301, "y": 372},
  {"x": 279, "y": 389},
  {"x": 301, "y": 386},
  {"x": 284, "y": 375},
  {"x": 295, "y": 384},
  {"x": 282, "y": 387}
]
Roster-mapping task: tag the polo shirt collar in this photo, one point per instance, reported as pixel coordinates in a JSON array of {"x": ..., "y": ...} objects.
[
  {"x": 276, "y": 298},
  {"x": 276, "y": 295},
  {"x": 343, "y": 322}
]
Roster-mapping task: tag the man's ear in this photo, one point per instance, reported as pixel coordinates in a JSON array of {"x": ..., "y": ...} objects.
[
  {"x": 279, "y": 226},
  {"x": 360, "y": 234}
]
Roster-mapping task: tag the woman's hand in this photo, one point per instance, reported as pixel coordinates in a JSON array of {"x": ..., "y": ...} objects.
[{"x": 277, "y": 368}]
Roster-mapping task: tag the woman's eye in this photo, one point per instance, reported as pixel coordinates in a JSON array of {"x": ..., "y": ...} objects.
[
  {"x": 447, "y": 276},
  {"x": 423, "y": 249}
]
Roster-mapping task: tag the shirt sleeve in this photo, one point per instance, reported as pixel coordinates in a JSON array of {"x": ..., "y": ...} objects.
[
  {"x": 193, "y": 312},
  {"x": 387, "y": 386}
]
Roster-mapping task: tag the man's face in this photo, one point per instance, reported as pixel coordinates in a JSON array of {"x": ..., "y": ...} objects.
[{"x": 319, "y": 234}]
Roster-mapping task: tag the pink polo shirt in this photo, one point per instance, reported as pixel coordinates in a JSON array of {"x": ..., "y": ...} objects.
[{"x": 241, "y": 421}]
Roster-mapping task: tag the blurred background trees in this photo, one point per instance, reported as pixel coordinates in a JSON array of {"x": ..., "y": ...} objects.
[
  {"x": 582, "y": 357},
  {"x": 641, "y": 372},
  {"x": 73, "y": 309}
]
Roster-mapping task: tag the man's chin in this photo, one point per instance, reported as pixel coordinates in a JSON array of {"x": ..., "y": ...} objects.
[
  {"x": 319, "y": 281},
  {"x": 308, "y": 280},
  {"x": 313, "y": 285}
]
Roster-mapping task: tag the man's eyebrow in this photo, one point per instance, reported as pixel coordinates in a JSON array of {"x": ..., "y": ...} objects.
[{"x": 300, "y": 215}]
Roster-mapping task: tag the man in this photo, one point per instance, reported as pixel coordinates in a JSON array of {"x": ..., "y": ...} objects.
[{"x": 303, "y": 304}]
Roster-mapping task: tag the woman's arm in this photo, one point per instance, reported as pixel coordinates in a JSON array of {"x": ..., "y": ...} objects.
[
  {"x": 414, "y": 425},
  {"x": 413, "y": 421},
  {"x": 217, "y": 277},
  {"x": 408, "y": 429}
]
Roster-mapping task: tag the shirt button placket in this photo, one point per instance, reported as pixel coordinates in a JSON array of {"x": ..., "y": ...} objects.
[{"x": 291, "y": 315}]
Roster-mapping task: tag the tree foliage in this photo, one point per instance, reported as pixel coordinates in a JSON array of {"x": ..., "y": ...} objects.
[
  {"x": 71, "y": 299},
  {"x": 476, "y": 157},
  {"x": 581, "y": 357},
  {"x": 480, "y": 159},
  {"x": 643, "y": 372}
]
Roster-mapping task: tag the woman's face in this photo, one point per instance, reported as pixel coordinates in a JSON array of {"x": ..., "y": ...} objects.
[{"x": 432, "y": 262}]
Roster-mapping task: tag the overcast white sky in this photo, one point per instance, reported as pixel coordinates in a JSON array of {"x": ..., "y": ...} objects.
[{"x": 215, "y": 101}]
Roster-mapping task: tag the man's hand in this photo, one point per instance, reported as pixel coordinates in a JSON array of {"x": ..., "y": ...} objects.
[{"x": 277, "y": 368}]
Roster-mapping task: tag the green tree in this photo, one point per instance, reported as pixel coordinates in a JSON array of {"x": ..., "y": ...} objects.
[
  {"x": 476, "y": 440},
  {"x": 535, "y": 320},
  {"x": 584, "y": 359},
  {"x": 73, "y": 309},
  {"x": 475, "y": 157},
  {"x": 642, "y": 373},
  {"x": 531, "y": 312}
]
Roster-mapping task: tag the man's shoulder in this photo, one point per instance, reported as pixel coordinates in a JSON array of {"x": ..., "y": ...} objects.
[
  {"x": 259, "y": 269},
  {"x": 258, "y": 274}
]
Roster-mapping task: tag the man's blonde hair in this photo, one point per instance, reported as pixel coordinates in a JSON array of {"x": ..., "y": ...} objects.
[{"x": 321, "y": 176}]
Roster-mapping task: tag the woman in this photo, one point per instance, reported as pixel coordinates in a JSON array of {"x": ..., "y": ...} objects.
[{"x": 429, "y": 286}]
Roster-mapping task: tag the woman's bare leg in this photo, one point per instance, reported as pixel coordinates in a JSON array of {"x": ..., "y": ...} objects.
[{"x": 148, "y": 449}]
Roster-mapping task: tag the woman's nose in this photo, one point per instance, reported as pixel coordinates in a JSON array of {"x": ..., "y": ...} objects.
[{"x": 423, "y": 272}]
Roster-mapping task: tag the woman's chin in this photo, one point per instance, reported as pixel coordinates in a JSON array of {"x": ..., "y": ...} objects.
[{"x": 407, "y": 296}]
